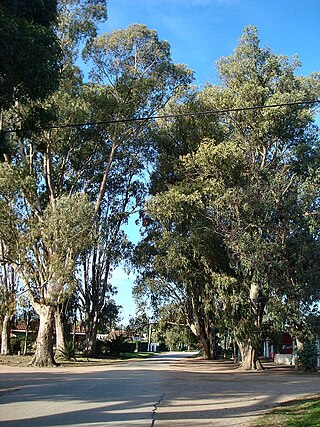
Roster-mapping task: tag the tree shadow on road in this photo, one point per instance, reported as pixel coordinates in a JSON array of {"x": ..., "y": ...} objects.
[{"x": 194, "y": 394}]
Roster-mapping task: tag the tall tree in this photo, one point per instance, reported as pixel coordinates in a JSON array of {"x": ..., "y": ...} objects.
[
  {"x": 136, "y": 77},
  {"x": 52, "y": 220},
  {"x": 170, "y": 259},
  {"x": 61, "y": 165},
  {"x": 173, "y": 268},
  {"x": 8, "y": 290},
  {"x": 249, "y": 185}
]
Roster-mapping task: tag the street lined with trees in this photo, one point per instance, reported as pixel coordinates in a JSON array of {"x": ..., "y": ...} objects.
[{"x": 225, "y": 178}]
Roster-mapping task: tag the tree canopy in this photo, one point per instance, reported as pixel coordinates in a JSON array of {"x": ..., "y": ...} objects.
[
  {"x": 245, "y": 187},
  {"x": 30, "y": 52}
]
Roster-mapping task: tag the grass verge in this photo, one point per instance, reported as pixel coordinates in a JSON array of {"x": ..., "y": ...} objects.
[{"x": 297, "y": 413}]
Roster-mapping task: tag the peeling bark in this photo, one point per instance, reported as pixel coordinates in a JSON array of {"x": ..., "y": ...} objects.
[
  {"x": 44, "y": 346},
  {"x": 249, "y": 357},
  {"x": 248, "y": 347},
  {"x": 5, "y": 335},
  {"x": 60, "y": 341}
]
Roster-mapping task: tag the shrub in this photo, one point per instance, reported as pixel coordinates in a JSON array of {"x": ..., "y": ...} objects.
[
  {"x": 143, "y": 346},
  {"x": 308, "y": 356},
  {"x": 69, "y": 352},
  {"x": 15, "y": 345},
  {"x": 129, "y": 347},
  {"x": 116, "y": 345}
]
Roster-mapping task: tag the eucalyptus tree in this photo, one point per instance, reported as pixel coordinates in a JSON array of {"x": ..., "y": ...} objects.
[
  {"x": 262, "y": 216},
  {"x": 8, "y": 295},
  {"x": 8, "y": 286},
  {"x": 50, "y": 218},
  {"x": 171, "y": 265},
  {"x": 74, "y": 187},
  {"x": 29, "y": 71},
  {"x": 136, "y": 77},
  {"x": 30, "y": 52},
  {"x": 173, "y": 270},
  {"x": 76, "y": 27},
  {"x": 250, "y": 185}
]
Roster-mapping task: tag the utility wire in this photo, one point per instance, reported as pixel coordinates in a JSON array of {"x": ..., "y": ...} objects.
[{"x": 164, "y": 116}]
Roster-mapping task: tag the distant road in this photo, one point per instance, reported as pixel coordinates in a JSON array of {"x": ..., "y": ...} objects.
[{"x": 164, "y": 391}]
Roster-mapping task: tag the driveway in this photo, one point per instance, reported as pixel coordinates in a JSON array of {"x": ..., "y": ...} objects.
[{"x": 167, "y": 390}]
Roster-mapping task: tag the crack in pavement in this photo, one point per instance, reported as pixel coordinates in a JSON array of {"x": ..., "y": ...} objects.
[{"x": 153, "y": 416}]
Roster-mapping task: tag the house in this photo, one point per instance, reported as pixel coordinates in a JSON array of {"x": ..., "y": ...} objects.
[{"x": 284, "y": 352}]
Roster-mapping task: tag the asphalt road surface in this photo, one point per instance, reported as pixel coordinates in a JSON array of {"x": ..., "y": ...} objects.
[{"x": 164, "y": 391}]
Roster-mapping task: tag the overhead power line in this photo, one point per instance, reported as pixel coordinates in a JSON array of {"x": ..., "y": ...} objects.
[{"x": 165, "y": 116}]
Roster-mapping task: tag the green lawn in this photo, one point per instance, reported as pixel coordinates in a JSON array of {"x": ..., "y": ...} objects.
[
  {"x": 139, "y": 355},
  {"x": 298, "y": 413}
]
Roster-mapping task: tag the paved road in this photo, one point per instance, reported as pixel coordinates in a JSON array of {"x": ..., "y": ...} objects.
[
  {"x": 121, "y": 394},
  {"x": 164, "y": 391}
]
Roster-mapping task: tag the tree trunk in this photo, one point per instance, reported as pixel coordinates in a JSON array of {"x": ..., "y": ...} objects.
[
  {"x": 299, "y": 343},
  {"x": 235, "y": 351},
  {"x": 91, "y": 336},
  {"x": 212, "y": 341},
  {"x": 205, "y": 334},
  {"x": 249, "y": 352},
  {"x": 249, "y": 357},
  {"x": 205, "y": 347},
  {"x": 25, "y": 346},
  {"x": 60, "y": 341},
  {"x": 44, "y": 346},
  {"x": 5, "y": 335}
]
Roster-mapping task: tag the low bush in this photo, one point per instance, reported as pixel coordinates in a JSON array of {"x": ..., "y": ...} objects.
[
  {"x": 69, "y": 352},
  {"x": 116, "y": 345},
  {"x": 308, "y": 355},
  {"x": 15, "y": 345}
]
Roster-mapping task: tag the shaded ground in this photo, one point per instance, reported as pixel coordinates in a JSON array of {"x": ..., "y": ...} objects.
[
  {"x": 163, "y": 391},
  {"x": 218, "y": 393},
  {"x": 23, "y": 361}
]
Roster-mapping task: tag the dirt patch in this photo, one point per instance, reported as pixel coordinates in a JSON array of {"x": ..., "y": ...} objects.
[
  {"x": 228, "y": 366},
  {"x": 219, "y": 393},
  {"x": 24, "y": 361},
  {"x": 14, "y": 360}
]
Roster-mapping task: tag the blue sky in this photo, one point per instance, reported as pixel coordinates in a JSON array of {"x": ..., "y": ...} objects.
[{"x": 201, "y": 31}]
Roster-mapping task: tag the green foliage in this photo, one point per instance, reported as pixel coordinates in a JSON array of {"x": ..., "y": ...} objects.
[
  {"x": 109, "y": 317},
  {"x": 231, "y": 225},
  {"x": 67, "y": 224},
  {"x": 138, "y": 325},
  {"x": 69, "y": 352},
  {"x": 179, "y": 338},
  {"x": 308, "y": 356},
  {"x": 138, "y": 69},
  {"x": 116, "y": 345},
  {"x": 16, "y": 344},
  {"x": 77, "y": 24},
  {"x": 29, "y": 66}
]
